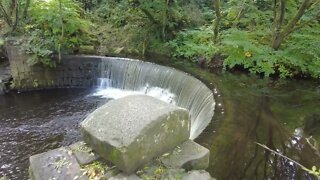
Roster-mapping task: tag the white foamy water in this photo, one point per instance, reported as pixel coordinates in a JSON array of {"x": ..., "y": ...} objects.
[{"x": 105, "y": 91}]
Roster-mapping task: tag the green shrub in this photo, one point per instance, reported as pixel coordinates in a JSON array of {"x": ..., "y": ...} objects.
[
  {"x": 54, "y": 27},
  {"x": 192, "y": 44},
  {"x": 299, "y": 56}
]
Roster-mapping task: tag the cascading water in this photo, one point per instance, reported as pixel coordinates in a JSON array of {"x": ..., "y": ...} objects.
[{"x": 121, "y": 77}]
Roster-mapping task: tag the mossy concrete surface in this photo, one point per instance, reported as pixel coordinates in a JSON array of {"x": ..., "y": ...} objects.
[
  {"x": 189, "y": 155},
  {"x": 132, "y": 130},
  {"x": 58, "y": 164},
  {"x": 197, "y": 175},
  {"x": 5, "y": 76},
  {"x": 83, "y": 153}
]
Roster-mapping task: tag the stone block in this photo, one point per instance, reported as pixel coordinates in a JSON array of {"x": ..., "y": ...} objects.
[
  {"x": 56, "y": 164},
  {"x": 83, "y": 153},
  {"x": 197, "y": 175},
  {"x": 189, "y": 155},
  {"x": 123, "y": 176},
  {"x": 111, "y": 172},
  {"x": 132, "y": 130}
]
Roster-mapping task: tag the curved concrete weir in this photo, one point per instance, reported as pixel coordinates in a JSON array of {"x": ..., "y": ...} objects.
[
  {"x": 188, "y": 92},
  {"x": 122, "y": 74}
]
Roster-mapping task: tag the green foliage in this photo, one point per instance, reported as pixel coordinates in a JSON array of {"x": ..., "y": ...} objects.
[
  {"x": 192, "y": 44},
  {"x": 243, "y": 48},
  {"x": 54, "y": 28},
  {"x": 13, "y": 13},
  {"x": 95, "y": 170},
  {"x": 298, "y": 56},
  {"x": 247, "y": 31},
  {"x": 138, "y": 26},
  {"x": 301, "y": 51},
  {"x": 314, "y": 171}
]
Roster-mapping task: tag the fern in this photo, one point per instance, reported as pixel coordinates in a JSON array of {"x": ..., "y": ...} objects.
[
  {"x": 192, "y": 44},
  {"x": 298, "y": 56}
]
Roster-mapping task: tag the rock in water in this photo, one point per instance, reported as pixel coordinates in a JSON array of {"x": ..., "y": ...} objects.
[{"x": 132, "y": 130}]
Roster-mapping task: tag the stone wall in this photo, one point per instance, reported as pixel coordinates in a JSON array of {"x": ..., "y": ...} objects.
[
  {"x": 72, "y": 71},
  {"x": 5, "y": 76}
]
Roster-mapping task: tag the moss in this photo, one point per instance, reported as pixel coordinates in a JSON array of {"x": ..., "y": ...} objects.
[
  {"x": 115, "y": 155},
  {"x": 95, "y": 170}
]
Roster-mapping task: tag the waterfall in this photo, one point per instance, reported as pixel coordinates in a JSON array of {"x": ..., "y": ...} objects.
[{"x": 122, "y": 76}]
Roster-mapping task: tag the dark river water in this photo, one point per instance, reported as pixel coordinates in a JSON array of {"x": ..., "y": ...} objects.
[
  {"x": 279, "y": 114},
  {"x": 35, "y": 122}
]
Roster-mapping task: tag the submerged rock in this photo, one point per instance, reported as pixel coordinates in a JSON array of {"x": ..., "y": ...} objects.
[
  {"x": 83, "y": 153},
  {"x": 188, "y": 155},
  {"x": 132, "y": 130},
  {"x": 55, "y": 164}
]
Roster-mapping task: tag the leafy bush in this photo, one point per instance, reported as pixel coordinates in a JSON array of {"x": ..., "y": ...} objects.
[
  {"x": 299, "y": 56},
  {"x": 243, "y": 48},
  {"x": 250, "y": 49},
  {"x": 55, "y": 27},
  {"x": 192, "y": 44},
  {"x": 140, "y": 26}
]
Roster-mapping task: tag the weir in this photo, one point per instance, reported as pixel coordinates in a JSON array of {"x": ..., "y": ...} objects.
[
  {"x": 176, "y": 87},
  {"x": 169, "y": 84}
]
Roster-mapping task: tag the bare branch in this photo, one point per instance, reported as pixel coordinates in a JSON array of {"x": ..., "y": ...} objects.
[
  {"x": 279, "y": 154},
  {"x": 6, "y": 16},
  {"x": 304, "y": 6},
  {"x": 218, "y": 18}
]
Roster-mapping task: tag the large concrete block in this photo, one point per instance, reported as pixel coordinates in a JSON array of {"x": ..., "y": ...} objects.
[{"x": 132, "y": 130}]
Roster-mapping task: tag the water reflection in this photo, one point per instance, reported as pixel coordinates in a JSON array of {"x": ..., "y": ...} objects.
[{"x": 265, "y": 111}]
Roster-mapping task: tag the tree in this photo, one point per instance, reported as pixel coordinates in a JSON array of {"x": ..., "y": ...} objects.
[
  {"x": 218, "y": 18},
  {"x": 282, "y": 31},
  {"x": 13, "y": 11}
]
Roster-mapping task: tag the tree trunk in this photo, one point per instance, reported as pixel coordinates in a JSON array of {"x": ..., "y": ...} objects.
[
  {"x": 5, "y": 14},
  {"x": 281, "y": 33},
  {"x": 165, "y": 20},
  {"x": 14, "y": 27},
  {"x": 277, "y": 41},
  {"x": 25, "y": 11},
  {"x": 278, "y": 23},
  {"x": 218, "y": 19}
]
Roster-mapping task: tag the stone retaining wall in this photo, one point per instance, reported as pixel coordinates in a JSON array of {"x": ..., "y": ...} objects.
[
  {"x": 73, "y": 71},
  {"x": 5, "y": 76}
]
